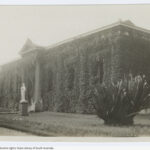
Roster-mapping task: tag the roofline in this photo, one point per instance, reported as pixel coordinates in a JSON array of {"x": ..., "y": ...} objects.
[
  {"x": 12, "y": 61},
  {"x": 31, "y": 50},
  {"x": 136, "y": 27},
  {"x": 84, "y": 35},
  {"x": 97, "y": 30}
]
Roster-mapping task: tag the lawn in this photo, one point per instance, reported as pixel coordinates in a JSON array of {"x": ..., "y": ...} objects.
[{"x": 67, "y": 124}]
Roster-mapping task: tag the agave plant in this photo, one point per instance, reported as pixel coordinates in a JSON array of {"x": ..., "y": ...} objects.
[{"x": 118, "y": 104}]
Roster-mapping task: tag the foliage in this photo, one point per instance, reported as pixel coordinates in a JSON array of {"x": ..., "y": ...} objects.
[
  {"x": 118, "y": 104},
  {"x": 11, "y": 77}
]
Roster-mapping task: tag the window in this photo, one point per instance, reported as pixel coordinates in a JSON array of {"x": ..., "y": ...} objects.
[
  {"x": 70, "y": 77},
  {"x": 101, "y": 70},
  {"x": 98, "y": 69},
  {"x": 50, "y": 80}
]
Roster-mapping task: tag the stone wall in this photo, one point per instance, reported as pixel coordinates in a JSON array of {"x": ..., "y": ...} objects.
[
  {"x": 68, "y": 70},
  {"x": 135, "y": 52},
  {"x": 11, "y": 78}
]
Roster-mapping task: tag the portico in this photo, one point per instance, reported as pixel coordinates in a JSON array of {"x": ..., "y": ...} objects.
[{"x": 34, "y": 51}]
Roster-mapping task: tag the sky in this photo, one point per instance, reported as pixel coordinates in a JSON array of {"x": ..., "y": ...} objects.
[{"x": 47, "y": 25}]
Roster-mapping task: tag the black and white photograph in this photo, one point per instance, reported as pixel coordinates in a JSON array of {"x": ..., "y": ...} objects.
[{"x": 75, "y": 71}]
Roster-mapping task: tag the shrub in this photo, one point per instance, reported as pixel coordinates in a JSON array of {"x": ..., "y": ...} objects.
[{"x": 118, "y": 104}]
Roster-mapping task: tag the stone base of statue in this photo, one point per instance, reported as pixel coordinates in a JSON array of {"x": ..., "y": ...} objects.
[{"x": 24, "y": 108}]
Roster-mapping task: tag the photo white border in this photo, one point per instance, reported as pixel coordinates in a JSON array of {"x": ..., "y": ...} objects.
[
  {"x": 135, "y": 143},
  {"x": 71, "y": 2}
]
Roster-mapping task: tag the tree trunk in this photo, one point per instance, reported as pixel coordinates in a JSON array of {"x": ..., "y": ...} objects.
[{"x": 119, "y": 122}]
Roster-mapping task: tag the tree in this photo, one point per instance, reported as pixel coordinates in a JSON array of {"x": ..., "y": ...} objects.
[{"x": 118, "y": 104}]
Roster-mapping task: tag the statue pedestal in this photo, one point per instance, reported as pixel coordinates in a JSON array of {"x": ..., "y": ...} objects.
[{"x": 24, "y": 108}]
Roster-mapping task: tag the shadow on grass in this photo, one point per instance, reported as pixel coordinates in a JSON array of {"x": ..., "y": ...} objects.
[{"x": 57, "y": 124}]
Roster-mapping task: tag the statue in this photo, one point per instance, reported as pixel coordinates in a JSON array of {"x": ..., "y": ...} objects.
[
  {"x": 23, "y": 90},
  {"x": 23, "y": 102}
]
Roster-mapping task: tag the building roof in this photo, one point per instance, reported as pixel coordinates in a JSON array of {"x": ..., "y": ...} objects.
[
  {"x": 126, "y": 23},
  {"x": 29, "y": 46}
]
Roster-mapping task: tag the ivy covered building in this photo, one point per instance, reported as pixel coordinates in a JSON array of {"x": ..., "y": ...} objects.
[{"x": 58, "y": 77}]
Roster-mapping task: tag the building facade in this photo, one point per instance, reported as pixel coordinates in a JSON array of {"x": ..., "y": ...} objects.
[{"x": 58, "y": 77}]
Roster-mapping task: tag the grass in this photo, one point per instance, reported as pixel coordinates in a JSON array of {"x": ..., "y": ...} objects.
[{"x": 66, "y": 124}]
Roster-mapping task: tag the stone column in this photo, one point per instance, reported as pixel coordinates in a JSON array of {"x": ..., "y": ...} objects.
[
  {"x": 83, "y": 82},
  {"x": 37, "y": 89}
]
